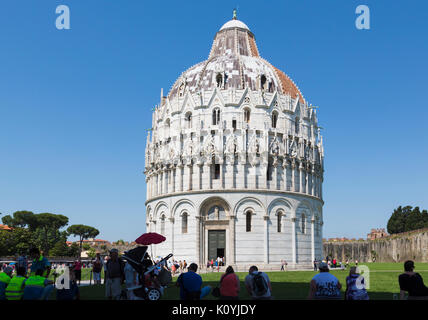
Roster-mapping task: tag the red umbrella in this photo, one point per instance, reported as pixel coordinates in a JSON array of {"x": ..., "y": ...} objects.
[{"x": 150, "y": 238}]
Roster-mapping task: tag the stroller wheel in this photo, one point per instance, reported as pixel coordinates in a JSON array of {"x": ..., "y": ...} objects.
[{"x": 153, "y": 294}]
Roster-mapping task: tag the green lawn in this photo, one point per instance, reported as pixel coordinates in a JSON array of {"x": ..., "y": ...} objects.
[{"x": 295, "y": 284}]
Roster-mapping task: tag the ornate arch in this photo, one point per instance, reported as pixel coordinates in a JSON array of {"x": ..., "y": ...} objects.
[
  {"x": 207, "y": 204},
  {"x": 280, "y": 201},
  {"x": 240, "y": 202},
  {"x": 178, "y": 204},
  {"x": 156, "y": 209}
]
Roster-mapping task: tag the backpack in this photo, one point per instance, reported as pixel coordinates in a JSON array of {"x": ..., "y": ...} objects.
[{"x": 260, "y": 285}]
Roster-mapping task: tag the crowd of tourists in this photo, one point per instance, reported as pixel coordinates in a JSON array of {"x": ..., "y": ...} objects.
[{"x": 28, "y": 280}]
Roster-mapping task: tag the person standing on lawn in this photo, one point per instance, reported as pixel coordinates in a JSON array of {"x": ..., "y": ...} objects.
[
  {"x": 5, "y": 278},
  {"x": 115, "y": 275},
  {"x": 39, "y": 263},
  {"x": 97, "y": 268},
  {"x": 77, "y": 268},
  {"x": 37, "y": 287}
]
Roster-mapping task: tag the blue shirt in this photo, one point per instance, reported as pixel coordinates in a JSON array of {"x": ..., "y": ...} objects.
[
  {"x": 34, "y": 293},
  {"x": 189, "y": 282},
  {"x": 42, "y": 264}
]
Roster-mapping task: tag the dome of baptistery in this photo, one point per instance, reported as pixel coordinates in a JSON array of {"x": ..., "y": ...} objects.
[{"x": 234, "y": 162}]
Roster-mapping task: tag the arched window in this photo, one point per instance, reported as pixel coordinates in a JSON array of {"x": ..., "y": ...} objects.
[
  {"x": 247, "y": 114},
  {"x": 162, "y": 226},
  {"x": 219, "y": 80},
  {"x": 248, "y": 221},
  {"x": 296, "y": 125},
  {"x": 274, "y": 119},
  {"x": 263, "y": 81},
  {"x": 216, "y": 116},
  {"x": 189, "y": 119},
  {"x": 184, "y": 223},
  {"x": 279, "y": 226},
  {"x": 303, "y": 223}
]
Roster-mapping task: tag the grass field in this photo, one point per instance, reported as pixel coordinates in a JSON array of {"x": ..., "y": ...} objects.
[{"x": 295, "y": 284}]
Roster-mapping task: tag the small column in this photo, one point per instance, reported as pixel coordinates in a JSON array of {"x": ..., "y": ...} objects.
[
  {"x": 285, "y": 170},
  {"x": 243, "y": 175},
  {"x": 189, "y": 176},
  {"x": 301, "y": 178},
  {"x": 158, "y": 183},
  {"x": 206, "y": 179},
  {"x": 181, "y": 182},
  {"x": 232, "y": 257},
  {"x": 293, "y": 240},
  {"x": 198, "y": 241},
  {"x": 266, "y": 239},
  {"x": 173, "y": 173},
  {"x": 199, "y": 184},
  {"x": 293, "y": 176},
  {"x": 313, "y": 181},
  {"x": 221, "y": 175},
  {"x": 276, "y": 181},
  {"x": 165, "y": 181},
  {"x": 171, "y": 220},
  {"x": 312, "y": 239}
]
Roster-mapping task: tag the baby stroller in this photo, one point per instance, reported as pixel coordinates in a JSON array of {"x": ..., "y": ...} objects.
[{"x": 139, "y": 259}]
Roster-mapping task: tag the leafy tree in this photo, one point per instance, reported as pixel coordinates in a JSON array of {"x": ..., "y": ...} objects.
[
  {"x": 73, "y": 250},
  {"x": 86, "y": 246},
  {"x": 406, "y": 218},
  {"x": 91, "y": 253},
  {"x": 83, "y": 232},
  {"x": 20, "y": 219},
  {"x": 47, "y": 227},
  {"x": 15, "y": 241},
  {"x": 60, "y": 249}
]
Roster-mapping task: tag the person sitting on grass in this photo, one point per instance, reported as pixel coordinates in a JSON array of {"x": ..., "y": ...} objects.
[
  {"x": 37, "y": 287},
  {"x": 190, "y": 284},
  {"x": 70, "y": 292},
  {"x": 324, "y": 285},
  {"x": 258, "y": 284},
  {"x": 412, "y": 283},
  {"x": 229, "y": 285},
  {"x": 355, "y": 286}
]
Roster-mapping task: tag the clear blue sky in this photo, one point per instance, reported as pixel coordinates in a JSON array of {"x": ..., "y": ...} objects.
[{"x": 75, "y": 104}]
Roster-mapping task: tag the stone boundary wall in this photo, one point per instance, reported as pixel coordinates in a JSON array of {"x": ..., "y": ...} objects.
[{"x": 411, "y": 245}]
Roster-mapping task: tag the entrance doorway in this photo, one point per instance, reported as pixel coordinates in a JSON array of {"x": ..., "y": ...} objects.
[{"x": 216, "y": 244}]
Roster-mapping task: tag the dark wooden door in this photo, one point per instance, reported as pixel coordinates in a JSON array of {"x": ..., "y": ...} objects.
[{"x": 216, "y": 243}]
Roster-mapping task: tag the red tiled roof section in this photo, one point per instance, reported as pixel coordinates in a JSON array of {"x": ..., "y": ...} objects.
[
  {"x": 5, "y": 227},
  {"x": 253, "y": 46},
  {"x": 287, "y": 85}
]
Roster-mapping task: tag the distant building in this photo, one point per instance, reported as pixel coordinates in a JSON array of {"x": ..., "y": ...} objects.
[
  {"x": 376, "y": 234},
  {"x": 95, "y": 242}
]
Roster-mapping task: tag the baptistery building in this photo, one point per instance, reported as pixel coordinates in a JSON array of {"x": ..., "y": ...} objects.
[{"x": 234, "y": 162}]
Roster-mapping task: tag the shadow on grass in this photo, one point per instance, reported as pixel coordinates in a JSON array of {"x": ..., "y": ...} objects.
[{"x": 281, "y": 291}]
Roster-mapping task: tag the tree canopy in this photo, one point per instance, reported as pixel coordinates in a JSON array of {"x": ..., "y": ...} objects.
[
  {"x": 42, "y": 230},
  {"x": 407, "y": 218}
]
